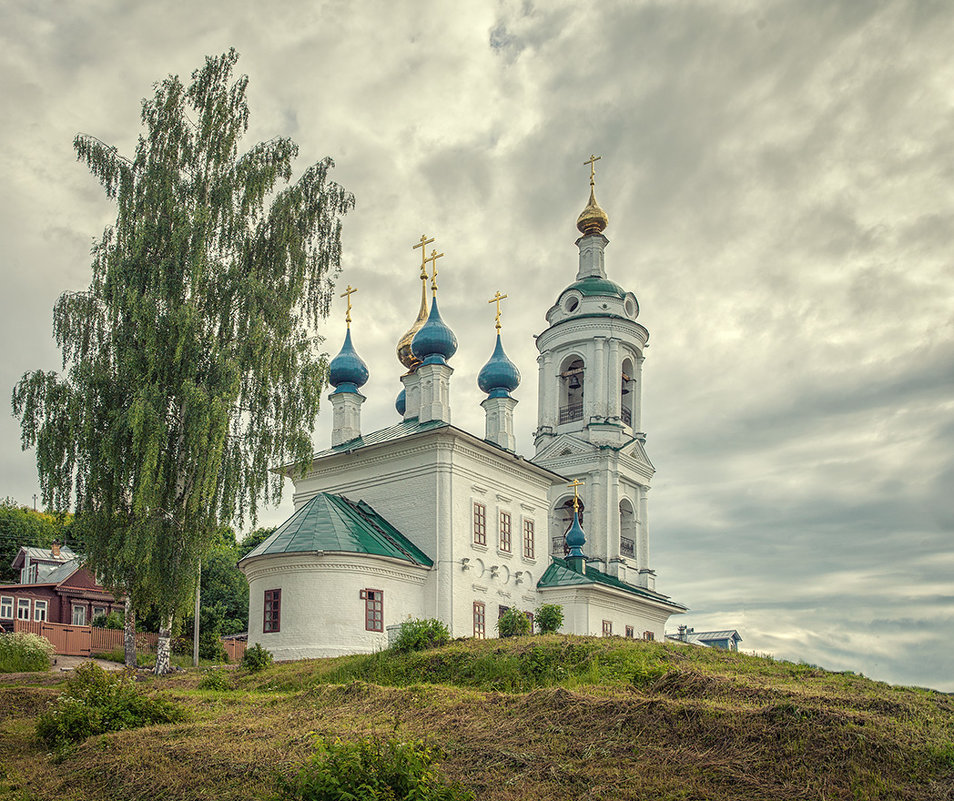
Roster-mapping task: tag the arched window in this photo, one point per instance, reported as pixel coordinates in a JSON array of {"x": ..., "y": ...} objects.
[
  {"x": 561, "y": 520},
  {"x": 627, "y": 529},
  {"x": 627, "y": 392},
  {"x": 571, "y": 390}
]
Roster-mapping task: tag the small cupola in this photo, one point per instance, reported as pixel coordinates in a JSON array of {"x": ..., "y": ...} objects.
[
  {"x": 498, "y": 378},
  {"x": 347, "y": 373}
]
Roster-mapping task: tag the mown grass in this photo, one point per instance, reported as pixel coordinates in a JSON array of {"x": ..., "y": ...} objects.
[{"x": 529, "y": 718}]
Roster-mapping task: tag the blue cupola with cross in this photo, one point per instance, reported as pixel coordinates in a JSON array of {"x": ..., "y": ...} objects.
[{"x": 347, "y": 373}]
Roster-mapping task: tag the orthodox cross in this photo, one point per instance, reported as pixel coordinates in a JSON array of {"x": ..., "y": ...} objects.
[
  {"x": 496, "y": 299},
  {"x": 433, "y": 259},
  {"x": 592, "y": 165},
  {"x": 347, "y": 294},
  {"x": 422, "y": 245},
  {"x": 576, "y": 497}
]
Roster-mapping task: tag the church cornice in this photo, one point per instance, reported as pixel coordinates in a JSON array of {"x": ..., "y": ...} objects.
[{"x": 585, "y": 324}]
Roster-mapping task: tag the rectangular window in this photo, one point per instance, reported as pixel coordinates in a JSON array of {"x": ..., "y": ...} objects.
[
  {"x": 99, "y": 610},
  {"x": 607, "y": 628},
  {"x": 530, "y": 618},
  {"x": 528, "y": 539},
  {"x": 501, "y": 610},
  {"x": 39, "y": 610},
  {"x": 79, "y": 615},
  {"x": 480, "y": 524},
  {"x": 505, "y": 531},
  {"x": 373, "y": 609},
  {"x": 6, "y": 607},
  {"x": 480, "y": 620},
  {"x": 630, "y": 632},
  {"x": 648, "y": 635},
  {"x": 272, "y": 619},
  {"x": 23, "y": 609}
]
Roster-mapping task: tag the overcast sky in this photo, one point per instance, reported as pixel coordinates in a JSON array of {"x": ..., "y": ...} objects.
[{"x": 779, "y": 178}]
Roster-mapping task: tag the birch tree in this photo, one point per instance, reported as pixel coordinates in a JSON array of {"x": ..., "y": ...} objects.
[{"x": 189, "y": 364}]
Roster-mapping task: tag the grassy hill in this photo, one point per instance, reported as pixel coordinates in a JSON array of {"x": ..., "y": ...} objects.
[{"x": 530, "y": 718}]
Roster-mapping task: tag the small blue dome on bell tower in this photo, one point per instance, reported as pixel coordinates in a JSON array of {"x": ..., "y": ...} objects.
[{"x": 500, "y": 376}]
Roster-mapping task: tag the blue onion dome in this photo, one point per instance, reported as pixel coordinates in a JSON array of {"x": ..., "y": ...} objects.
[
  {"x": 401, "y": 403},
  {"x": 347, "y": 371},
  {"x": 435, "y": 343},
  {"x": 500, "y": 376},
  {"x": 575, "y": 538}
]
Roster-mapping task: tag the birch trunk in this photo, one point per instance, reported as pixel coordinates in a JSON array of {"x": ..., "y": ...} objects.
[
  {"x": 129, "y": 634},
  {"x": 163, "y": 660}
]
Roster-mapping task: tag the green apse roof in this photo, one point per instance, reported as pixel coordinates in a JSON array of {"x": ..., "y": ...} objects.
[
  {"x": 597, "y": 286},
  {"x": 560, "y": 574},
  {"x": 334, "y": 523}
]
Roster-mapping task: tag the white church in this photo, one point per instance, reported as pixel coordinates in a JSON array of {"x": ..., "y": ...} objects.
[{"x": 426, "y": 520}]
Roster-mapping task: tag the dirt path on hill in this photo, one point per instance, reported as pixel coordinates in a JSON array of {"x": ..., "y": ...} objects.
[{"x": 61, "y": 663}]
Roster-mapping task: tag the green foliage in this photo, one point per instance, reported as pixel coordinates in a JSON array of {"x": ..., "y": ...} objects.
[
  {"x": 548, "y": 618},
  {"x": 95, "y": 702},
  {"x": 371, "y": 770},
  {"x": 253, "y": 539},
  {"x": 513, "y": 623},
  {"x": 219, "y": 680},
  {"x": 418, "y": 635},
  {"x": 256, "y": 658},
  {"x": 190, "y": 361},
  {"x": 20, "y": 525},
  {"x": 114, "y": 620},
  {"x": 21, "y": 652}
]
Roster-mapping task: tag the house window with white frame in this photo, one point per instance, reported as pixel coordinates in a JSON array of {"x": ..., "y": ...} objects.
[
  {"x": 6, "y": 607},
  {"x": 607, "y": 628},
  {"x": 79, "y": 615},
  {"x": 23, "y": 609},
  {"x": 505, "y": 526},
  {"x": 528, "y": 539},
  {"x": 39, "y": 610}
]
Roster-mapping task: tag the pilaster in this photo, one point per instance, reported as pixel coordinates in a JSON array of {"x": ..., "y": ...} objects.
[
  {"x": 435, "y": 392},
  {"x": 499, "y": 421},
  {"x": 412, "y": 395},
  {"x": 346, "y": 424}
]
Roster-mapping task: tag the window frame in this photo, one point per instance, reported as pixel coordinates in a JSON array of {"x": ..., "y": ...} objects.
[
  {"x": 373, "y": 609},
  {"x": 7, "y": 602},
  {"x": 272, "y": 611},
  {"x": 630, "y": 632},
  {"x": 480, "y": 620},
  {"x": 505, "y": 531},
  {"x": 74, "y": 608},
  {"x": 529, "y": 533},
  {"x": 480, "y": 523},
  {"x": 648, "y": 636},
  {"x": 24, "y": 604},
  {"x": 41, "y": 606},
  {"x": 607, "y": 628}
]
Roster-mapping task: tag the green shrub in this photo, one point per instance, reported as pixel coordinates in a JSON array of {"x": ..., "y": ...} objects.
[
  {"x": 114, "y": 620},
  {"x": 549, "y": 618},
  {"x": 256, "y": 658},
  {"x": 21, "y": 652},
  {"x": 372, "y": 770},
  {"x": 219, "y": 680},
  {"x": 96, "y": 702},
  {"x": 513, "y": 623},
  {"x": 419, "y": 635}
]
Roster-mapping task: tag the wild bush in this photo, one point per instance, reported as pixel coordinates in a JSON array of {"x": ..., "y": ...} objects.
[
  {"x": 256, "y": 658},
  {"x": 219, "y": 680},
  {"x": 95, "y": 702},
  {"x": 513, "y": 623},
  {"x": 419, "y": 635},
  {"x": 372, "y": 770},
  {"x": 21, "y": 652},
  {"x": 549, "y": 618}
]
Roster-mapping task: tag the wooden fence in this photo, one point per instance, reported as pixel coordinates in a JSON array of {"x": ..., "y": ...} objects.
[{"x": 85, "y": 640}]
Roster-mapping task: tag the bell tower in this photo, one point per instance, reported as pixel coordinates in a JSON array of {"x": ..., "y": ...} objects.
[{"x": 588, "y": 418}]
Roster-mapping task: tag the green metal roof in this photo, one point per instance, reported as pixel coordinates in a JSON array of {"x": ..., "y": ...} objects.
[
  {"x": 596, "y": 286},
  {"x": 403, "y": 429},
  {"x": 334, "y": 523},
  {"x": 560, "y": 574}
]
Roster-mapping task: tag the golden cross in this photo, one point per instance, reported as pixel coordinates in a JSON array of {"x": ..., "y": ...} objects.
[
  {"x": 433, "y": 259},
  {"x": 592, "y": 163},
  {"x": 347, "y": 294},
  {"x": 576, "y": 497},
  {"x": 424, "y": 241},
  {"x": 496, "y": 299}
]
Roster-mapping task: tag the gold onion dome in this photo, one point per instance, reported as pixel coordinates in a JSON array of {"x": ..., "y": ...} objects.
[
  {"x": 404, "y": 353},
  {"x": 592, "y": 219}
]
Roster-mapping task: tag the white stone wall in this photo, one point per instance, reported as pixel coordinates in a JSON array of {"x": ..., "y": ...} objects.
[
  {"x": 585, "y": 608},
  {"x": 322, "y": 613}
]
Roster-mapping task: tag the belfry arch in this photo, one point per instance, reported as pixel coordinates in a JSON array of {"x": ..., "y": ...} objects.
[
  {"x": 572, "y": 379},
  {"x": 561, "y": 518}
]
